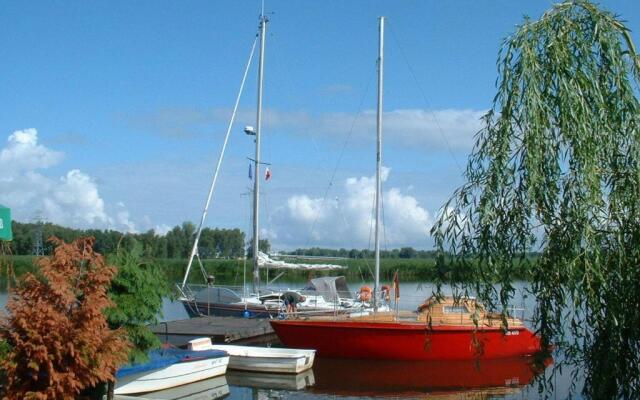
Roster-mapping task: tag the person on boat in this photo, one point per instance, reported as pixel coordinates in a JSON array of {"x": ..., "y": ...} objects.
[{"x": 291, "y": 301}]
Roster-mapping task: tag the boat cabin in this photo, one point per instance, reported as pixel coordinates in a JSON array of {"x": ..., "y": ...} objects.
[{"x": 463, "y": 311}]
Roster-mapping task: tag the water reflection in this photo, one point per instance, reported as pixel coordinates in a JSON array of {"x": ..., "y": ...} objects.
[
  {"x": 261, "y": 380},
  {"x": 209, "y": 389},
  {"x": 411, "y": 379}
]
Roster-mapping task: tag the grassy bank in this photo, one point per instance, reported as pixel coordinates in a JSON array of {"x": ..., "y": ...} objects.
[
  {"x": 414, "y": 269},
  {"x": 230, "y": 271}
]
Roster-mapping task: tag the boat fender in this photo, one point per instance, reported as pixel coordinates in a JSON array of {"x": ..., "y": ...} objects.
[
  {"x": 246, "y": 314},
  {"x": 364, "y": 294},
  {"x": 386, "y": 290}
]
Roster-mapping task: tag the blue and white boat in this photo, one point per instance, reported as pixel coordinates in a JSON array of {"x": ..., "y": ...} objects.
[{"x": 169, "y": 368}]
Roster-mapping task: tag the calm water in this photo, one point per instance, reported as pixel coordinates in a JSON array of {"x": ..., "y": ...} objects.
[{"x": 344, "y": 379}]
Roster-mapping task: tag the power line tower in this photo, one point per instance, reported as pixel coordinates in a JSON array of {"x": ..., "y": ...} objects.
[{"x": 38, "y": 233}]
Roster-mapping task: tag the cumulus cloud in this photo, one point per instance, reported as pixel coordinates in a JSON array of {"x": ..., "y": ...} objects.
[
  {"x": 23, "y": 153},
  {"x": 124, "y": 219},
  {"x": 347, "y": 220},
  {"x": 72, "y": 199}
]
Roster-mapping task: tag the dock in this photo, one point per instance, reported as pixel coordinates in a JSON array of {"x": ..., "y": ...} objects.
[{"x": 220, "y": 329}]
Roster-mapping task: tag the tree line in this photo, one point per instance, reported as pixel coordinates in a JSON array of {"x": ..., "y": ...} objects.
[
  {"x": 177, "y": 243},
  {"x": 403, "y": 252}
]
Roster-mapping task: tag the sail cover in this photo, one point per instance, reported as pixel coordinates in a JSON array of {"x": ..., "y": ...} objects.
[
  {"x": 264, "y": 261},
  {"x": 331, "y": 287}
]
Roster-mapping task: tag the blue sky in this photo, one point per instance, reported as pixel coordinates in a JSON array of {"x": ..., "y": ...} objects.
[{"x": 120, "y": 108}]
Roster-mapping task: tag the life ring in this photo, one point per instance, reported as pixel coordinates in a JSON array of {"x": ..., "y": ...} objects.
[
  {"x": 386, "y": 292},
  {"x": 364, "y": 294}
]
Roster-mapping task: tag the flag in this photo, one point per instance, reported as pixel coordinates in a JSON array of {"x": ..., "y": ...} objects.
[
  {"x": 396, "y": 286},
  {"x": 267, "y": 174},
  {"x": 250, "y": 175}
]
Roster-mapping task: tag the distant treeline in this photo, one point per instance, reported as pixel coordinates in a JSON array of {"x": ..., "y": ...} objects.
[
  {"x": 177, "y": 243},
  {"x": 217, "y": 245},
  {"x": 404, "y": 252}
]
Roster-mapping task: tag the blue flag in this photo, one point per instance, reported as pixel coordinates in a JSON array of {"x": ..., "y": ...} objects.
[{"x": 250, "y": 175}]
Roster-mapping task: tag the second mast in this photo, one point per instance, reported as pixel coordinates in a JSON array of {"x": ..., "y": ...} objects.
[{"x": 256, "y": 182}]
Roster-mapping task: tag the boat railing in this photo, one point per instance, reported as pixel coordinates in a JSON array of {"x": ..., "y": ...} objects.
[{"x": 399, "y": 309}]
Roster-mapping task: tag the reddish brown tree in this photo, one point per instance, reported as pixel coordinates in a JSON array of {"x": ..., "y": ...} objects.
[{"x": 61, "y": 343}]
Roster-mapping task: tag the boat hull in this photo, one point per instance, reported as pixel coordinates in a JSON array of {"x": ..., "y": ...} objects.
[
  {"x": 270, "y": 359},
  {"x": 181, "y": 373},
  {"x": 198, "y": 309},
  {"x": 402, "y": 341}
]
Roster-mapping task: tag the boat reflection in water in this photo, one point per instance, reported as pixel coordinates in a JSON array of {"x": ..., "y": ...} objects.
[
  {"x": 260, "y": 380},
  {"x": 435, "y": 378},
  {"x": 209, "y": 389}
]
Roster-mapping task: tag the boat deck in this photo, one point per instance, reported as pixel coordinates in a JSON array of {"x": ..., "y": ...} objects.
[
  {"x": 219, "y": 329},
  {"x": 464, "y": 313}
]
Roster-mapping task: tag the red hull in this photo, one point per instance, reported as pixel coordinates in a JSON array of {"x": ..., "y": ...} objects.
[{"x": 396, "y": 341}]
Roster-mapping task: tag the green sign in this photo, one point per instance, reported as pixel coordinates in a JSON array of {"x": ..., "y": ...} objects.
[{"x": 5, "y": 224}]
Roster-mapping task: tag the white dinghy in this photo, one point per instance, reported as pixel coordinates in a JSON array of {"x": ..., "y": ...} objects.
[
  {"x": 169, "y": 368},
  {"x": 260, "y": 359}
]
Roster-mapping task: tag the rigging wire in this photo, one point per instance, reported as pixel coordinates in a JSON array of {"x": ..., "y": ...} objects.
[
  {"x": 194, "y": 250},
  {"x": 424, "y": 97},
  {"x": 340, "y": 156},
  {"x": 384, "y": 225}
]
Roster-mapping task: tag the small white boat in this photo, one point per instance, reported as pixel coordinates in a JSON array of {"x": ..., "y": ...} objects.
[
  {"x": 260, "y": 359},
  {"x": 170, "y": 368}
]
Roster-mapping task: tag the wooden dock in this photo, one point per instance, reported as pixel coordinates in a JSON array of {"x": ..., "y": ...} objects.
[{"x": 219, "y": 329}]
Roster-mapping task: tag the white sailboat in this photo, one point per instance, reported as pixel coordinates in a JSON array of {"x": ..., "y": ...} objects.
[{"x": 213, "y": 299}]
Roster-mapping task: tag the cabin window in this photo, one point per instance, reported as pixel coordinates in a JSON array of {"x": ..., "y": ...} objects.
[{"x": 455, "y": 310}]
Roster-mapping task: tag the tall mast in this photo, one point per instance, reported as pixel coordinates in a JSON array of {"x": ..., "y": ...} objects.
[
  {"x": 256, "y": 181},
  {"x": 379, "y": 160}
]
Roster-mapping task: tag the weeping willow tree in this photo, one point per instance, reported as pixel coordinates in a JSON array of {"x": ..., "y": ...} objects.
[{"x": 556, "y": 169}]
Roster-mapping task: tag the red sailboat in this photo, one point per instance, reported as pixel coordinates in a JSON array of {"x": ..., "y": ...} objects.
[{"x": 440, "y": 330}]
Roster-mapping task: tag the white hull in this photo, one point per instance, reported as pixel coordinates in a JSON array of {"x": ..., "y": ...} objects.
[
  {"x": 261, "y": 359},
  {"x": 172, "y": 376}
]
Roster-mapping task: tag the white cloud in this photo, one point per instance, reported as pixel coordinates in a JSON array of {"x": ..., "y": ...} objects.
[
  {"x": 347, "y": 220},
  {"x": 162, "y": 229},
  {"x": 74, "y": 200},
  {"x": 23, "y": 153},
  {"x": 71, "y": 200},
  {"x": 123, "y": 218}
]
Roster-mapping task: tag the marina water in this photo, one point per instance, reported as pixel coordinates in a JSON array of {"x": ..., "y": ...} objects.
[{"x": 334, "y": 378}]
